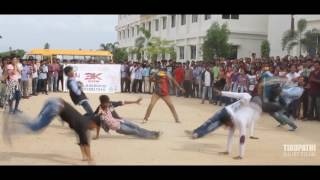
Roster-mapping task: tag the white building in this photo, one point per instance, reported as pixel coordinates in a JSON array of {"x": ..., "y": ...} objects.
[
  {"x": 188, "y": 31},
  {"x": 278, "y": 24}
]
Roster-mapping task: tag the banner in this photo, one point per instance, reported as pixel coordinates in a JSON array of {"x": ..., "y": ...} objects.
[{"x": 97, "y": 78}]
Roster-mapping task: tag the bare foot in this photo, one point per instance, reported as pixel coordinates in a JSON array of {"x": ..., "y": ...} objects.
[
  {"x": 144, "y": 121},
  {"x": 177, "y": 121},
  {"x": 237, "y": 158},
  {"x": 224, "y": 153},
  {"x": 95, "y": 138}
]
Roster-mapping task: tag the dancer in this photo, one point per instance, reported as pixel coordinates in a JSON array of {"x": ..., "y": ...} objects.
[
  {"x": 78, "y": 97},
  {"x": 161, "y": 90},
  {"x": 58, "y": 107},
  {"x": 241, "y": 114},
  {"x": 280, "y": 101},
  {"x": 120, "y": 125}
]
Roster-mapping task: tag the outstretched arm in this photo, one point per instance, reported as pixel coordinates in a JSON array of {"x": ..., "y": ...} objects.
[
  {"x": 244, "y": 96},
  {"x": 133, "y": 102},
  {"x": 176, "y": 83}
]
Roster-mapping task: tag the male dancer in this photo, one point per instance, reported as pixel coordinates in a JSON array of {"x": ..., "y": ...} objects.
[
  {"x": 240, "y": 114},
  {"x": 58, "y": 107},
  {"x": 161, "y": 90}
]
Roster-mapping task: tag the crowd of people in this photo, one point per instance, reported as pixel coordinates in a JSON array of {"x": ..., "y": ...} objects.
[
  {"x": 28, "y": 77},
  {"x": 237, "y": 75}
]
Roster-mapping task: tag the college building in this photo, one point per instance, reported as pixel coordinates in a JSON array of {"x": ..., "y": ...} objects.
[{"x": 187, "y": 32}]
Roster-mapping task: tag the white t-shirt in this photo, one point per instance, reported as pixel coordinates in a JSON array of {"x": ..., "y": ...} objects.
[
  {"x": 243, "y": 114},
  {"x": 20, "y": 67},
  {"x": 35, "y": 74},
  {"x": 291, "y": 76},
  {"x": 207, "y": 78},
  {"x": 132, "y": 70}
]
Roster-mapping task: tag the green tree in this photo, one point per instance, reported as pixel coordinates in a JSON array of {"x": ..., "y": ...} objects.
[
  {"x": 265, "y": 49},
  {"x": 216, "y": 42},
  {"x": 156, "y": 47},
  {"x": 310, "y": 41},
  {"x": 142, "y": 42},
  {"x": 292, "y": 38},
  {"x": 47, "y": 46},
  {"x": 17, "y": 52},
  {"x": 109, "y": 46},
  {"x": 173, "y": 53},
  {"x": 120, "y": 55}
]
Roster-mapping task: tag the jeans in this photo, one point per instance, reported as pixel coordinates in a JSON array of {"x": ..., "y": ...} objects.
[
  {"x": 129, "y": 128},
  {"x": 53, "y": 81},
  {"x": 42, "y": 85},
  {"x": 206, "y": 90},
  {"x": 47, "y": 114},
  {"x": 313, "y": 107},
  {"x": 212, "y": 123},
  {"x": 86, "y": 106},
  {"x": 17, "y": 97},
  {"x": 60, "y": 79},
  {"x": 34, "y": 85},
  {"x": 25, "y": 88}
]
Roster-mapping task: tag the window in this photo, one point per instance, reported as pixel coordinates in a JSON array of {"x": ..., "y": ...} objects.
[
  {"x": 119, "y": 35},
  {"x": 143, "y": 25},
  {"x": 149, "y": 26},
  {"x": 233, "y": 52},
  {"x": 206, "y": 17},
  {"x": 128, "y": 34},
  {"x": 123, "y": 34},
  {"x": 183, "y": 20},
  {"x": 132, "y": 32},
  {"x": 194, "y": 18},
  {"x": 137, "y": 27},
  {"x": 173, "y": 20},
  {"x": 193, "y": 51},
  {"x": 234, "y": 16},
  {"x": 225, "y": 16},
  {"x": 181, "y": 52},
  {"x": 164, "y": 22},
  {"x": 157, "y": 24}
]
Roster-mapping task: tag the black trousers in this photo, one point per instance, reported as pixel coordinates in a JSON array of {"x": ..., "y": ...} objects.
[
  {"x": 187, "y": 84},
  {"x": 134, "y": 86},
  {"x": 140, "y": 85},
  {"x": 127, "y": 88},
  {"x": 60, "y": 80},
  {"x": 42, "y": 85}
]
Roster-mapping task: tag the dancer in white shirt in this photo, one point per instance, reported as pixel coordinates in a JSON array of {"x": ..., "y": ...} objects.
[{"x": 240, "y": 115}]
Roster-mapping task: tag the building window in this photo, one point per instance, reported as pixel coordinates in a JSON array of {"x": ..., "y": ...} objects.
[
  {"x": 233, "y": 52},
  {"x": 173, "y": 20},
  {"x": 132, "y": 32},
  {"x": 119, "y": 35},
  {"x": 194, "y": 18},
  {"x": 206, "y": 17},
  {"x": 123, "y": 34},
  {"x": 234, "y": 16},
  {"x": 149, "y": 26},
  {"x": 181, "y": 52},
  {"x": 137, "y": 27},
  {"x": 128, "y": 34},
  {"x": 164, "y": 22},
  {"x": 183, "y": 20},
  {"x": 143, "y": 25},
  {"x": 193, "y": 51},
  {"x": 225, "y": 16},
  {"x": 157, "y": 24}
]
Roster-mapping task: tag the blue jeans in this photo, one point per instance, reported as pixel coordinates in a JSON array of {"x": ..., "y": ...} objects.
[
  {"x": 47, "y": 114},
  {"x": 53, "y": 83},
  {"x": 212, "y": 123},
  {"x": 86, "y": 106},
  {"x": 207, "y": 90},
  {"x": 129, "y": 128}
]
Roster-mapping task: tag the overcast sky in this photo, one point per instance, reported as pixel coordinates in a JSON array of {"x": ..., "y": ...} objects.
[{"x": 60, "y": 31}]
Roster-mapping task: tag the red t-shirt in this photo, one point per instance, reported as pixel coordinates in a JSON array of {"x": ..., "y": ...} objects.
[
  {"x": 179, "y": 74},
  {"x": 162, "y": 87}
]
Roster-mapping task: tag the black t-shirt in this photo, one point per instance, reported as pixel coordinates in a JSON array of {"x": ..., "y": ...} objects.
[{"x": 79, "y": 123}]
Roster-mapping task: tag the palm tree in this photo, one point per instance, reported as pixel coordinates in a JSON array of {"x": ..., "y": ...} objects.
[
  {"x": 142, "y": 42},
  {"x": 292, "y": 38},
  {"x": 158, "y": 46},
  {"x": 302, "y": 25},
  {"x": 109, "y": 46},
  {"x": 310, "y": 41}
]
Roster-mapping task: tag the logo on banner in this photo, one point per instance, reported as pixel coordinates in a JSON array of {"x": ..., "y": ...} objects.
[{"x": 93, "y": 77}]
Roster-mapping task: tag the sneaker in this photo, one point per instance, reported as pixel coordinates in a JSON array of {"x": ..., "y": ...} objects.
[{"x": 292, "y": 129}]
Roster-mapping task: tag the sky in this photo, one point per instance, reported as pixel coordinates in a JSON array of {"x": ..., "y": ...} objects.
[{"x": 60, "y": 31}]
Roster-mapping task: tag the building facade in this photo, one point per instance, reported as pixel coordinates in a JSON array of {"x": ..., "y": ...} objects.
[{"x": 187, "y": 32}]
